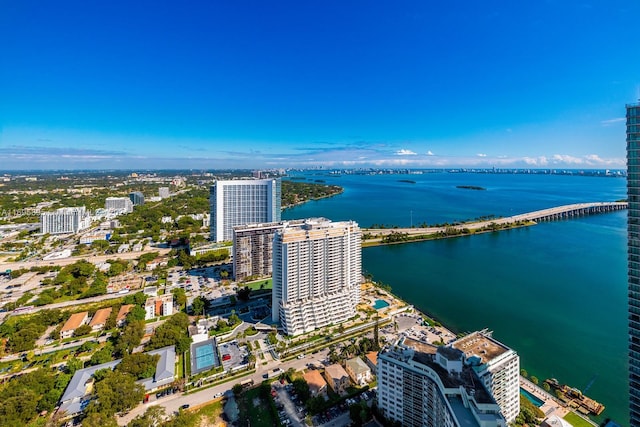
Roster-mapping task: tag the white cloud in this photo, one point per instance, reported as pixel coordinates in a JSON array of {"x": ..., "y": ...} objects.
[
  {"x": 612, "y": 121},
  {"x": 481, "y": 155},
  {"x": 404, "y": 152},
  {"x": 430, "y": 153}
]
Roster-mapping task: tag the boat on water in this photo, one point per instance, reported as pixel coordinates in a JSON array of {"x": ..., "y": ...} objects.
[{"x": 574, "y": 398}]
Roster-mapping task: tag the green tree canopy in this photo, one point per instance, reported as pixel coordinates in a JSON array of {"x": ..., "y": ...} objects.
[{"x": 117, "y": 392}]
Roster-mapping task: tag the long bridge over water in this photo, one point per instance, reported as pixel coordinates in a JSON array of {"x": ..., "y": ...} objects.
[{"x": 550, "y": 214}]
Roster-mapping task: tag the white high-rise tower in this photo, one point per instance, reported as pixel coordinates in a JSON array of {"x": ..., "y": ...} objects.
[{"x": 316, "y": 274}]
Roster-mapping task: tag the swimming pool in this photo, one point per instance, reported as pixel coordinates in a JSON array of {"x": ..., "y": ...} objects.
[
  {"x": 380, "y": 303},
  {"x": 531, "y": 398}
]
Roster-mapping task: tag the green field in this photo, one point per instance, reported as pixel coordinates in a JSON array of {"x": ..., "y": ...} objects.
[
  {"x": 576, "y": 420},
  {"x": 260, "y": 284}
]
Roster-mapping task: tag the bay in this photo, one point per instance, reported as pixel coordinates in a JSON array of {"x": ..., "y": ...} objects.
[{"x": 555, "y": 292}]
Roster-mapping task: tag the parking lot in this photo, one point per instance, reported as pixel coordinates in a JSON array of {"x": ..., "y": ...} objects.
[{"x": 232, "y": 355}]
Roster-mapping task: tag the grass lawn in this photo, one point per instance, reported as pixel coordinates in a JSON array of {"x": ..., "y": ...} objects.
[
  {"x": 255, "y": 410},
  {"x": 260, "y": 284},
  {"x": 577, "y": 420}
]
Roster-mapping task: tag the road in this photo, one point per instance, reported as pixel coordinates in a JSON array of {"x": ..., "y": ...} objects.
[{"x": 96, "y": 259}]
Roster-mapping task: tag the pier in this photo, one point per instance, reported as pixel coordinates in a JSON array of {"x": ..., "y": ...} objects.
[{"x": 530, "y": 218}]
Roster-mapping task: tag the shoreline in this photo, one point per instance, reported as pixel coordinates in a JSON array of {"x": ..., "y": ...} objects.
[{"x": 313, "y": 199}]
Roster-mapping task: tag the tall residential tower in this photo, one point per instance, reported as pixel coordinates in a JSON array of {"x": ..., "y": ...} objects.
[
  {"x": 240, "y": 202},
  {"x": 633, "y": 251},
  {"x": 316, "y": 274}
]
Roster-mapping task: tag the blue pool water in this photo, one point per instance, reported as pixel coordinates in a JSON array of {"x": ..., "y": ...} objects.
[
  {"x": 380, "y": 303},
  {"x": 531, "y": 398}
]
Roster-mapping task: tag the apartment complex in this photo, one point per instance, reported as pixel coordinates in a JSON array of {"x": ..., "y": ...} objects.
[
  {"x": 633, "y": 251},
  {"x": 239, "y": 202},
  {"x": 158, "y": 306},
  {"x": 64, "y": 220},
  {"x": 433, "y": 386},
  {"x": 118, "y": 204},
  {"x": 316, "y": 274},
  {"x": 253, "y": 249},
  {"x": 497, "y": 366}
]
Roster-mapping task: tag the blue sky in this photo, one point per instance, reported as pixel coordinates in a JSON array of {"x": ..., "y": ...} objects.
[{"x": 236, "y": 84}]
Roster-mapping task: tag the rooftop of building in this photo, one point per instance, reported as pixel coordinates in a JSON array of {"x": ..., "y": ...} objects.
[
  {"x": 466, "y": 379},
  {"x": 357, "y": 366},
  {"x": 315, "y": 380},
  {"x": 335, "y": 371},
  {"x": 480, "y": 344},
  {"x": 72, "y": 399},
  {"x": 372, "y": 356},
  {"x": 101, "y": 316},
  {"x": 420, "y": 346},
  {"x": 74, "y": 321},
  {"x": 124, "y": 310}
]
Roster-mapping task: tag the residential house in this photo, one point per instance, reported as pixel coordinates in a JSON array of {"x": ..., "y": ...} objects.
[
  {"x": 317, "y": 384},
  {"x": 337, "y": 378},
  {"x": 100, "y": 319},
  {"x": 358, "y": 371},
  {"x": 76, "y": 320},
  {"x": 122, "y": 314}
]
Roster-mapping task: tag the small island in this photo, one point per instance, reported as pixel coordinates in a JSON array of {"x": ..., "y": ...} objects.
[
  {"x": 470, "y": 187},
  {"x": 408, "y": 181}
]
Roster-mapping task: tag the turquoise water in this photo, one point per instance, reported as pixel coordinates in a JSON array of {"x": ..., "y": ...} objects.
[
  {"x": 531, "y": 398},
  {"x": 555, "y": 292},
  {"x": 380, "y": 303},
  {"x": 205, "y": 358}
]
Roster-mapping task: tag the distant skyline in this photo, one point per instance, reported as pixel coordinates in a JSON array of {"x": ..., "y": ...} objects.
[{"x": 416, "y": 84}]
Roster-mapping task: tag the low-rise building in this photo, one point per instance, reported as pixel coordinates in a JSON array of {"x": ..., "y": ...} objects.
[
  {"x": 358, "y": 371},
  {"x": 159, "y": 306},
  {"x": 337, "y": 378},
  {"x": 317, "y": 384},
  {"x": 76, "y": 320},
  {"x": 78, "y": 394},
  {"x": 122, "y": 314},
  {"x": 100, "y": 319}
]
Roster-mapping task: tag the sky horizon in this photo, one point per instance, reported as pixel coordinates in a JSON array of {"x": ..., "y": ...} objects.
[{"x": 254, "y": 85}]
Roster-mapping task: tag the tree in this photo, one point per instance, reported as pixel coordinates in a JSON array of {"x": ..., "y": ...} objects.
[
  {"x": 82, "y": 330},
  {"x": 117, "y": 392},
  {"x": 197, "y": 305},
  {"x": 101, "y": 356},
  {"x": 130, "y": 337},
  {"x": 73, "y": 365},
  {"x": 302, "y": 389},
  {"x": 237, "y": 389},
  {"x": 524, "y": 373},
  {"x": 243, "y": 293},
  {"x": 534, "y": 380},
  {"x": 179, "y": 296},
  {"x": 546, "y": 386},
  {"x": 99, "y": 419},
  {"x": 100, "y": 245},
  {"x": 137, "y": 313},
  {"x": 139, "y": 365},
  {"x": 153, "y": 416}
]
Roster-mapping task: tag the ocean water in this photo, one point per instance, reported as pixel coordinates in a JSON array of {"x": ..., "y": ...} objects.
[{"x": 555, "y": 292}]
